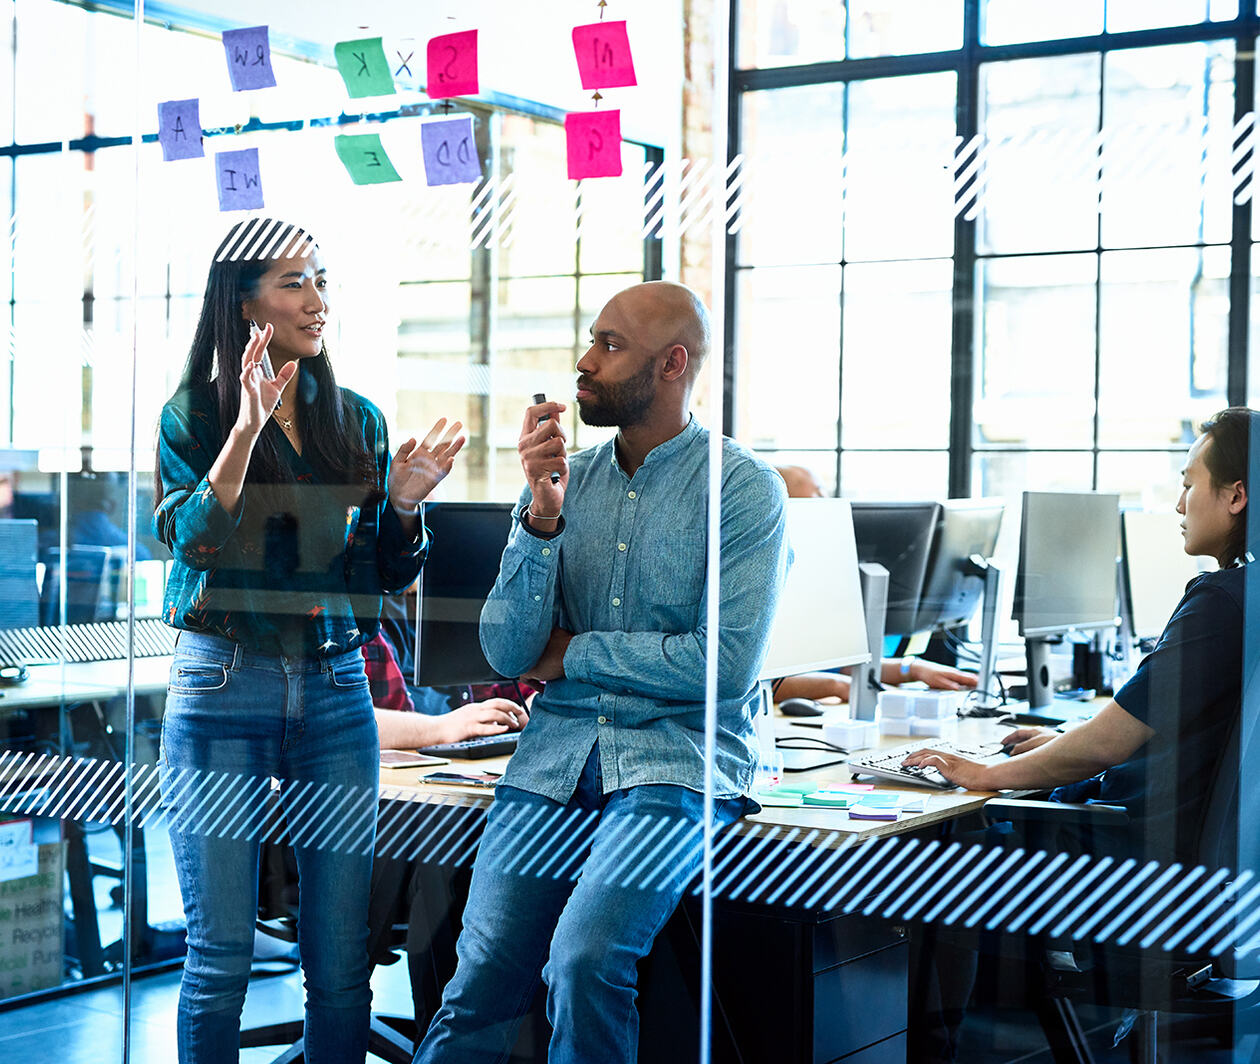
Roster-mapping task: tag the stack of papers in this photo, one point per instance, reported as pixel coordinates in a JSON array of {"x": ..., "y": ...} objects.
[
  {"x": 842, "y": 796},
  {"x": 885, "y": 806}
]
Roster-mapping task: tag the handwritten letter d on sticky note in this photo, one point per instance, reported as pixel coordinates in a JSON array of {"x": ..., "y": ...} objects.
[
  {"x": 450, "y": 152},
  {"x": 594, "y": 143}
]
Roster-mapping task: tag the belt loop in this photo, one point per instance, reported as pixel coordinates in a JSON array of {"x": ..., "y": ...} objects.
[{"x": 237, "y": 651}]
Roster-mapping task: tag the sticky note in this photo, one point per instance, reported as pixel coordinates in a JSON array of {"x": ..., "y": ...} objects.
[
  {"x": 179, "y": 129},
  {"x": 239, "y": 180},
  {"x": 364, "y": 68},
  {"x": 603, "y": 55},
  {"x": 365, "y": 158},
  {"x": 450, "y": 152},
  {"x": 594, "y": 143},
  {"x": 249, "y": 58},
  {"x": 452, "y": 63}
]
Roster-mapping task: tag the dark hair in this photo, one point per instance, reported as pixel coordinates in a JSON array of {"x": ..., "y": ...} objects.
[
  {"x": 331, "y": 437},
  {"x": 1227, "y": 461}
]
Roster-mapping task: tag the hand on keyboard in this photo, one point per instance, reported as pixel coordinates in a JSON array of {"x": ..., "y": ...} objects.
[
  {"x": 920, "y": 764},
  {"x": 961, "y": 768}
]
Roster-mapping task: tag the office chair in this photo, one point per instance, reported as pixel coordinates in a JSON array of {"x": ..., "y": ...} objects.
[
  {"x": 1151, "y": 981},
  {"x": 391, "y": 1038}
]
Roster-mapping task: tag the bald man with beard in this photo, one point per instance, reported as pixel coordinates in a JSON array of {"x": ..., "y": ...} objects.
[{"x": 595, "y": 830}]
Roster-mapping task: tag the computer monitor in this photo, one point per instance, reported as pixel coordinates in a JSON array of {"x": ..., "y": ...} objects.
[
  {"x": 899, "y": 536},
  {"x": 1154, "y": 570},
  {"x": 1066, "y": 579},
  {"x": 819, "y": 623},
  {"x": 91, "y": 585},
  {"x": 953, "y": 583},
  {"x": 19, "y": 591},
  {"x": 462, "y": 566}
]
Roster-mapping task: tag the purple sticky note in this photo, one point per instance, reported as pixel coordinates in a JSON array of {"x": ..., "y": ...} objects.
[
  {"x": 179, "y": 130},
  {"x": 450, "y": 152},
  {"x": 249, "y": 58},
  {"x": 594, "y": 143},
  {"x": 603, "y": 55},
  {"x": 452, "y": 62},
  {"x": 239, "y": 180}
]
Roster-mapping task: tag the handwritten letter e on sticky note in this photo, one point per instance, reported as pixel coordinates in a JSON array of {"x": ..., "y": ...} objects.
[
  {"x": 179, "y": 130},
  {"x": 603, "y": 55},
  {"x": 239, "y": 180},
  {"x": 249, "y": 58},
  {"x": 594, "y": 143},
  {"x": 364, "y": 68},
  {"x": 365, "y": 158},
  {"x": 450, "y": 152},
  {"x": 452, "y": 65}
]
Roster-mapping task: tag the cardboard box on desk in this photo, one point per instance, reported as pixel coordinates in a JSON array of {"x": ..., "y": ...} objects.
[{"x": 31, "y": 919}]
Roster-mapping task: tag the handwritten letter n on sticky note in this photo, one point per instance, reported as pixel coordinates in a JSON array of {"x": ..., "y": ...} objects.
[
  {"x": 450, "y": 152},
  {"x": 364, "y": 68},
  {"x": 452, "y": 65},
  {"x": 365, "y": 158},
  {"x": 249, "y": 58},
  {"x": 179, "y": 130},
  {"x": 594, "y": 143},
  {"x": 603, "y": 55},
  {"x": 239, "y": 180}
]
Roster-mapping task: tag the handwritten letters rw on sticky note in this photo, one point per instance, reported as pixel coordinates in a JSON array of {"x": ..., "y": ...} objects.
[
  {"x": 603, "y": 55},
  {"x": 452, "y": 65},
  {"x": 249, "y": 58},
  {"x": 594, "y": 143}
]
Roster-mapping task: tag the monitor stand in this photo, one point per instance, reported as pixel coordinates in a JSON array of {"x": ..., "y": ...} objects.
[{"x": 1040, "y": 688}]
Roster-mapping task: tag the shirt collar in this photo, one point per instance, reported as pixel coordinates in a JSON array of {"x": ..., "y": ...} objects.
[{"x": 662, "y": 450}]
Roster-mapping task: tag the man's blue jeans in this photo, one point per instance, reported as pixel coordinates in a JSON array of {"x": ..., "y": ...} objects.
[
  {"x": 575, "y": 894},
  {"x": 234, "y": 720}
]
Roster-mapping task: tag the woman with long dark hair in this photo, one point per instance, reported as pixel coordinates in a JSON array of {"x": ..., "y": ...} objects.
[{"x": 288, "y": 519}]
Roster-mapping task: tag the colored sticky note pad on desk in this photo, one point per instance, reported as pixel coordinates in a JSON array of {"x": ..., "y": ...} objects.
[
  {"x": 594, "y": 143},
  {"x": 603, "y": 55},
  {"x": 364, "y": 68},
  {"x": 830, "y": 799},
  {"x": 452, "y": 65},
  {"x": 450, "y": 152},
  {"x": 179, "y": 130},
  {"x": 239, "y": 180},
  {"x": 769, "y": 799},
  {"x": 365, "y": 158},
  {"x": 249, "y": 58}
]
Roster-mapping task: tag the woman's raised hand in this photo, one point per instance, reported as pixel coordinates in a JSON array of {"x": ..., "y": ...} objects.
[
  {"x": 418, "y": 468},
  {"x": 259, "y": 396}
]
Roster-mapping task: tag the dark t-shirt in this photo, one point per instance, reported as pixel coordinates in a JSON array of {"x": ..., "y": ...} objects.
[{"x": 1189, "y": 691}]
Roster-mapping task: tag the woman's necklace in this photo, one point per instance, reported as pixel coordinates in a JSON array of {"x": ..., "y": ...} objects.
[{"x": 286, "y": 423}]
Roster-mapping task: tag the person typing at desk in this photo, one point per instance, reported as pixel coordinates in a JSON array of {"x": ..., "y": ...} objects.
[
  {"x": 1155, "y": 745},
  {"x": 601, "y": 593}
]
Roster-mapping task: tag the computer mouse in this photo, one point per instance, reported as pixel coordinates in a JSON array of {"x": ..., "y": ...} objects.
[{"x": 800, "y": 707}]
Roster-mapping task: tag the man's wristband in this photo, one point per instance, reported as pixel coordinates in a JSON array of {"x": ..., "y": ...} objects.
[
  {"x": 539, "y": 517},
  {"x": 906, "y": 664}
]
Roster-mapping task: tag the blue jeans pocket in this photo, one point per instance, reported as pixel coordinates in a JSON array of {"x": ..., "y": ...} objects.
[
  {"x": 197, "y": 677},
  {"x": 348, "y": 675}
]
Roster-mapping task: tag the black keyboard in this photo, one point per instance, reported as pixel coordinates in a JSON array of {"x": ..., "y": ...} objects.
[{"x": 473, "y": 749}]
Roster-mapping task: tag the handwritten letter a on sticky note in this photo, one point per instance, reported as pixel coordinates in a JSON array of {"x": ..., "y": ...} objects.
[
  {"x": 365, "y": 158},
  {"x": 450, "y": 152},
  {"x": 594, "y": 143},
  {"x": 364, "y": 68},
  {"x": 249, "y": 58},
  {"x": 239, "y": 180},
  {"x": 452, "y": 65},
  {"x": 179, "y": 130},
  {"x": 603, "y": 55}
]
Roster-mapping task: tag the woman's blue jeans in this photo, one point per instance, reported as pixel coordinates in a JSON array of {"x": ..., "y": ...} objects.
[
  {"x": 235, "y": 721},
  {"x": 574, "y": 894}
]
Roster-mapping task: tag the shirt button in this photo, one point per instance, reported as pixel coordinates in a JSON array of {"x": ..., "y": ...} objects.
[
  {"x": 546, "y": 551},
  {"x": 616, "y": 602},
  {"x": 538, "y": 598},
  {"x": 621, "y": 546},
  {"x": 631, "y": 495},
  {"x": 602, "y": 720}
]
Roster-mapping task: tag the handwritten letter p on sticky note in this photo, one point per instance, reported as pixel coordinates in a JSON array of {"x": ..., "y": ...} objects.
[
  {"x": 594, "y": 143},
  {"x": 452, "y": 65},
  {"x": 603, "y": 55},
  {"x": 249, "y": 58}
]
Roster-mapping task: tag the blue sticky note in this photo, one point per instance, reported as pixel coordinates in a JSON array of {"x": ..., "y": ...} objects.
[
  {"x": 239, "y": 180},
  {"x": 450, "y": 152},
  {"x": 179, "y": 129},
  {"x": 249, "y": 58}
]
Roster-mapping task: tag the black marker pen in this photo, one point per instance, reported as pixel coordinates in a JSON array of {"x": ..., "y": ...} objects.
[{"x": 540, "y": 397}]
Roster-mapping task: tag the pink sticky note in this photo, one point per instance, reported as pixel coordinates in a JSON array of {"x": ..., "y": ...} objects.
[
  {"x": 452, "y": 62},
  {"x": 594, "y": 143},
  {"x": 603, "y": 55},
  {"x": 855, "y": 788}
]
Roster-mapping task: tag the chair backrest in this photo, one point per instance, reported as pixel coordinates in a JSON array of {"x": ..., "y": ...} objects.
[{"x": 91, "y": 585}]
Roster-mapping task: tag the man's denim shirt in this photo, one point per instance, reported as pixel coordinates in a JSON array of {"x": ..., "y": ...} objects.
[{"x": 626, "y": 574}]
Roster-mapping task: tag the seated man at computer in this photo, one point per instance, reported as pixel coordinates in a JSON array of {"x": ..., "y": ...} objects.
[
  {"x": 601, "y": 593},
  {"x": 1153, "y": 746},
  {"x": 802, "y": 484}
]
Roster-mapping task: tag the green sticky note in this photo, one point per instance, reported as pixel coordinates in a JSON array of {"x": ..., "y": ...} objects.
[
  {"x": 366, "y": 160},
  {"x": 793, "y": 788},
  {"x": 832, "y": 799},
  {"x": 364, "y": 68}
]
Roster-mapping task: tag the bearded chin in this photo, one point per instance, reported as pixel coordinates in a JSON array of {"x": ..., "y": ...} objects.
[{"x": 596, "y": 414}]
